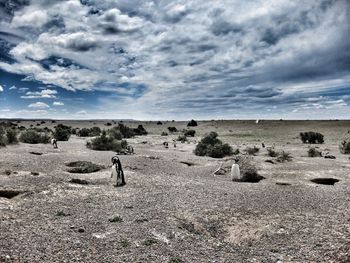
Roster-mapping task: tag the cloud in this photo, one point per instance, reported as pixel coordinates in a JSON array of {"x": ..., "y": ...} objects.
[
  {"x": 12, "y": 88},
  {"x": 83, "y": 112},
  {"x": 40, "y": 105},
  {"x": 58, "y": 103},
  {"x": 43, "y": 94},
  {"x": 1, "y": 89},
  {"x": 205, "y": 58},
  {"x": 22, "y": 90}
]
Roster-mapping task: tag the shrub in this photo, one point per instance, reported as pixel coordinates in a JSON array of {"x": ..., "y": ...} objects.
[
  {"x": 62, "y": 132},
  {"x": 190, "y": 133},
  {"x": 84, "y": 132},
  {"x": 140, "y": 130},
  {"x": 172, "y": 129},
  {"x": 115, "y": 133},
  {"x": 312, "y": 152},
  {"x": 211, "y": 146},
  {"x": 2, "y": 137},
  {"x": 345, "y": 146},
  {"x": 284, "y": 156},
  {"x": 125, "y": 131},
  {"x": 33, "y": 137},
  {"x": 192, "y": 123},
  {"x": 311, "y": 137},
  {"x": 107, "y": 143},
  {"x": 11, "y": 136},
  {"x": 182, "y": 138},
  {"x": 159, "y": 123},
  {"x": 95, "y": 131},
  {"x": 271, "y": 152},
  {"x": 252, "y": 150},
  {"x": 164, "y": 134},
  {"x": 236, "y": 152},
  {"x": 108, "y": 124}
]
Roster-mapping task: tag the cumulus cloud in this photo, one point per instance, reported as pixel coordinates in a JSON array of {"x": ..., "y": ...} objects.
[
  {"x": 58, "y": 103},
  {"x": 12, "y": 88},
  {"x": 43, "y": 94},
  {"x": 210, "y": 57},
  {"x": 40, "y": 105},
  {"x": 1, "y": 89}
]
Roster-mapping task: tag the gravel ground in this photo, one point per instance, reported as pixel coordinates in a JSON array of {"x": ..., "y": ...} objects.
[{"x": 170, "y": 211}]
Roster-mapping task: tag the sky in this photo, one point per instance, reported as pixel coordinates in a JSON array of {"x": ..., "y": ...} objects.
[{"x": 180, "y": 59}]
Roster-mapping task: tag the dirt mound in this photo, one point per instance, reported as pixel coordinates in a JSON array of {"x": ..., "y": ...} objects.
[{"x": 84, "y": 167}]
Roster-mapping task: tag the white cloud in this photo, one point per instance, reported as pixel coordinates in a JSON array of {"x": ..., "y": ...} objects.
[
  {"x": 43, "y": 94},
  {"x": 31, "y": 16},
  {"x": 12, "y": 88},
  {"x": 58, "y": 103},
  {"x": 1, "y": 89},
  {"x": 39, "y": 105}
]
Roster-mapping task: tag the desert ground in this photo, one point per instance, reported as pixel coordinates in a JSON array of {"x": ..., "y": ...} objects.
[{"x": 173, "y": 207}]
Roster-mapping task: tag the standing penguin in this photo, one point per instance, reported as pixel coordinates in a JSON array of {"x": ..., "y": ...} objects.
[
  {"x": 235, "y": 171},
  {"x": 117, "y": 171}
]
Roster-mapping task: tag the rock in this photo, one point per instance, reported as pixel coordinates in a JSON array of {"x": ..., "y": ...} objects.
[
  {"x": 34, "y": 173},
  {"x": 81, "y": 230}
]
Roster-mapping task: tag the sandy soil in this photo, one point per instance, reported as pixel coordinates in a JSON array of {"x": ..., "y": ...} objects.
[{"x": 172, "y": 212}]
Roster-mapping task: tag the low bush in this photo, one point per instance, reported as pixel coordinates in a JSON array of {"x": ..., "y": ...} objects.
[
  {"x": 159, "y": 123},
  {"x": 164, "y": 134},
  {"x": 92, "y": 132},
  {"x": 84, "y": 132},
  {"x": 271, "y": 152},
  {"x": 125, "y": 131},
  {"x": 107, "y": 143},
  {"x": 11, "y": 136},
  {"x": 345, "y": 146},
  {"x": 192, "y": 123},
  {"x": 284, "y": 156},
  {"x": 172, "y": 129},
  {"x": 2, "y": 137},
  {"x": 62, "y": 132},
  {"x": 236, "y": 152},
  {"x": 182, "y": 138},
  {"x": 211, "y": 146},
  {"x": 115, "y": 133},
  {"x": 312, "y": 152},
  {"x": 252, "y": 150},
  {"x": 190, "y": 133},
  {"x": 95, "y": 131},
  {"x": 33, "y": 137},
  {"x": 311, "y": 137},
  {"x": 140, "y": 130}
]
